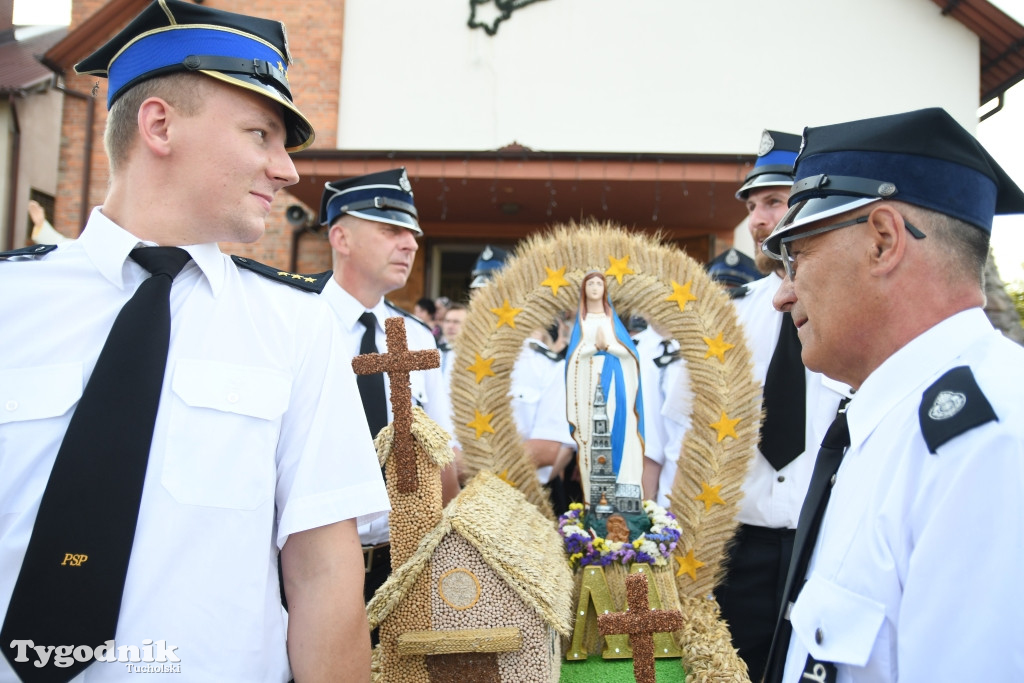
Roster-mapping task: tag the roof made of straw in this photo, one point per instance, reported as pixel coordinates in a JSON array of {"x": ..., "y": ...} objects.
[{"x": 518, "y": 542}]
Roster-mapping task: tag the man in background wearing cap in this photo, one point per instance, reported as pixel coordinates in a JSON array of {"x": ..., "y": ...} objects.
[
  {"x": 799, "y": 405},
  {"x": 373, "y": 227},
  {"x": 537, "y": 392},
  {"x": 732, "y": 268},
  {"x": 915, "y": 572},
  {"x": 241, "y": 463}
]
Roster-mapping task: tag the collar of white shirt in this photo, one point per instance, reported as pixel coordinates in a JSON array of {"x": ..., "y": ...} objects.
[
  {"x": 107, "y": 245},
  {"x": 911, "y": 368},
  {"x": 348, "y": 309}
]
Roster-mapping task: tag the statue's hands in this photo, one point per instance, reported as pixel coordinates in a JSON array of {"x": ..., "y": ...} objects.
[{"x": 599, "y": 341}]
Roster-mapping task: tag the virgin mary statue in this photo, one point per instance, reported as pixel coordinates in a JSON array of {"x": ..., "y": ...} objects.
[{"x": 601, "y": 354}]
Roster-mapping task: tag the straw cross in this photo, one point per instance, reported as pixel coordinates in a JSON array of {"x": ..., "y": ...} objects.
[
  {"x": 641, "y": 623},
  {"x": 398, "y": 362}
]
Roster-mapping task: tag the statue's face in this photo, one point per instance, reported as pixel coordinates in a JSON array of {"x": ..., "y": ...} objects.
[{"x": 595, "y": 288}]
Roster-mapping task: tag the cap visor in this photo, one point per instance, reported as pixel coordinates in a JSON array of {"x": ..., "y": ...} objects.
[
  {"x": 399, "y": 218},
  {"x": 810, "y": 211},
  {"x": 764, "y": 180}
]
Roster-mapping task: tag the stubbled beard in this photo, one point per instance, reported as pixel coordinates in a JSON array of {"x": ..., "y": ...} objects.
[{"x": 766, "y": 264}]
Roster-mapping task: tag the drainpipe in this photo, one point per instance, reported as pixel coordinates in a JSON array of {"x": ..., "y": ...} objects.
[
  {"x": 12, "y": 191},
  {"x": 296, "y": 234},
  {"x": 90, "y": 119}
]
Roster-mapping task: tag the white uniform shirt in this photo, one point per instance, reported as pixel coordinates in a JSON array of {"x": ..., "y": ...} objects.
[
  {"x": 648, "y": 347},
  {"x": 772, "y": 498},
  {"x": 427, "y": 385},
  {"x": 916, "y": 575},
  {"x": 675, "y": 415},
  {"x": 253, "y": 442},
  {"x": 537, "y": 388}
]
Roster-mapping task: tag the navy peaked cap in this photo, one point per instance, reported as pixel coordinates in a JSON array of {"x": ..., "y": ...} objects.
[
  {"x": 491, "y": 260},
  {"x": 776, "y": 155},
  {"x": 733, "y": 268},
  {"x": 171, "y": 36},
  {"x": 922, "y": 157},
  {"x": 384, "y": 197}
]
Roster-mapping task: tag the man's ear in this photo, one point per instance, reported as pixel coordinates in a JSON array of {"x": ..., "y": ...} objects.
[
  {"x": 154, "y": 120},
  {"x": 338, "y": 238},
  {"x": 888, "y": 239}
]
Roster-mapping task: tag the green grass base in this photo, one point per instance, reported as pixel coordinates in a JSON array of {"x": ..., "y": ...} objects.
[{"x": 597, "y": 670}]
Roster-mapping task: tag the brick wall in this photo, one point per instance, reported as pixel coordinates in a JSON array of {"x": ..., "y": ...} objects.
[{"x": 314, "y": 36}]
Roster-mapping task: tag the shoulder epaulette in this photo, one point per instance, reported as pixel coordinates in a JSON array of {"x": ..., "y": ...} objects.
[
  {"x": 666, "y": 358},
  {"x": 739, "y": 292},
  {"x": 310, "y": 283},
  {"x": 669, "y": 353},
  {"x": 33, "y": 251},
  {"x": 407, "y": 314},
  {"x": 552, "y": 356},
  {"x": 951, "y": 406}
]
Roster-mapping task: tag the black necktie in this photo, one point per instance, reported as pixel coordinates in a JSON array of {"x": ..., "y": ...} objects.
[
  {"x": 371, "y": 387},
  {"x": 834, "y": 445},
  {"x": 69, "y": 589},
  {"x": 782, "y": 432}
]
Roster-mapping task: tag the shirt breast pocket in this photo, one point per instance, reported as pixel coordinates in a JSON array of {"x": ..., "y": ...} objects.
[
  {"x": 837, "y": 625},
  {"x": 39, "y": 393},
  {"x": 33, "y": 405},
  {"x": 223, "y": 433}
]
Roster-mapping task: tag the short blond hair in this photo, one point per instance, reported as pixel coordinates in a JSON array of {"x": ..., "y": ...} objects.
[{"x": 183, "y": 91}]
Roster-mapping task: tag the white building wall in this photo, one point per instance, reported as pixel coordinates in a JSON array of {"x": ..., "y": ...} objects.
[{"x": 692, "y": 76}]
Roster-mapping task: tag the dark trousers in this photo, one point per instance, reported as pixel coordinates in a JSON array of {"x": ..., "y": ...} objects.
[{"x": 751, "y": 592}]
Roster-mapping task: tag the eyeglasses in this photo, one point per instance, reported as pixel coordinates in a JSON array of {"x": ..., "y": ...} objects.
[{"x": 789, "y": 261}]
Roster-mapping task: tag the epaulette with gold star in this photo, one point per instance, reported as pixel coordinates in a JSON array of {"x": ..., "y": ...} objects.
[
  {"x": 407, "y": 314},
  {"x": 953, "y": 405},
  {"x": 310, "y": 283},
  {"x": 29, "y": 253}
]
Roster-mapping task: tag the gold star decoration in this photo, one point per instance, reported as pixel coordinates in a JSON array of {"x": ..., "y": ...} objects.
[
  {"x": 555, "y": 279},
  {"x": 709, "y": 495},
  {"x": 620, "y": 267},
  {"x": 481, "y": 368},
  {"x": 309, "y": 279},
  {"x": 717, "y": 347},
  {"x": 725, "y": 427},
  {"x": 296, "y": 276},
  {"x": 506, "y": 314},
  {"x": 504, "y": 477},
  {"x": 282, "y": 273},
  {"x": 681, "y": 294},
  {"x": 481, "y": 423},
  {"x": 688, "y": 564}
]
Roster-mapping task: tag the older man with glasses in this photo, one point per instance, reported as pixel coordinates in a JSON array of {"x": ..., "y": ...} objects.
[{"x": 907, "y": 557}]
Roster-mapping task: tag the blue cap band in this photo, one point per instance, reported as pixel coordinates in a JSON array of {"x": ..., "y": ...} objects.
[
  {"x": 170, "y": 46},
  {"x": 944, "y": 186},
  {"x": 777, "y": 157}
]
